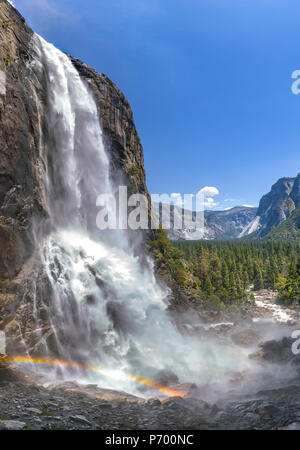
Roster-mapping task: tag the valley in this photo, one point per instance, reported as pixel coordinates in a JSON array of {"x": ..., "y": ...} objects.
[{"x": 277, "y": 217}]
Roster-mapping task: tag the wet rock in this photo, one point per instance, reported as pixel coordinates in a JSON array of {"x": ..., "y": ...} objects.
[
  {"x": 296, "y": 361},
  {"x": 275, "y": 351},
  {"x": 270, "y": 409},
  {"x": 11, "y": 250},
  {"x": 153, "y": 402},
  {"x": 166, "y": 377},
  {"x": 14, "y": 338}
]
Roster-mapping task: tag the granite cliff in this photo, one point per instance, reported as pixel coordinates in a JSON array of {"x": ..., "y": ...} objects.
[
  {"x": 24, "y": 287},
  {"x": 276, "y": 208}
]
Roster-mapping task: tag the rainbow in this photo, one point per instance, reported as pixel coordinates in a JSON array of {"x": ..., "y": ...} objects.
[{"x": 90, "y": 368}]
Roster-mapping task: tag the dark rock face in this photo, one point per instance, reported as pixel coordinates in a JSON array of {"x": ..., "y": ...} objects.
[
  {"x": 295, "y": 193},
  {"x": 277, "y": 351},
  {"x": 21, "y": 170},
  {"x": 276, "y": 206},
  {"x": 24, "y": 287}
]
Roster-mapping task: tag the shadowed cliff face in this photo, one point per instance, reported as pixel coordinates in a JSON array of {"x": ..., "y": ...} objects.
[
  {"x": 24, "y": 287},
  {"x": 21, "y": 170}
]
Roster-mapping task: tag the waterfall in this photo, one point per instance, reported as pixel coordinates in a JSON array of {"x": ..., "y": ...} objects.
[{"x": 106, "y": 308}]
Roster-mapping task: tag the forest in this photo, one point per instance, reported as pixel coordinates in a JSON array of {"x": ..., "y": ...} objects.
[
  {"x": 227, "y": 269},
  {"x": 226, "y": 272}
]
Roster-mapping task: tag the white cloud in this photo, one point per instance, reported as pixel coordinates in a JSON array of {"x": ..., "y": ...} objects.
[
  {"x": 206, "y": 195},
  {"x": 210, "y": 203},
  {"x": 209, "y": 191}
]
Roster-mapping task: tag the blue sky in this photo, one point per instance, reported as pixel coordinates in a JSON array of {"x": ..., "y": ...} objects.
[{"x": 209, "y": 82}]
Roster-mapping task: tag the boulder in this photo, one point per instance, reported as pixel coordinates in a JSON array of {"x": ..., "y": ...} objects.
[
  {"x": 275, "y": 351},
  {"x": 246, "y": 338},
  {"x": 166, "y": 377}
]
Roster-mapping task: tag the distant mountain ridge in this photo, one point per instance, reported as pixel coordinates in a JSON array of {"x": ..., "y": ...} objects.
[
  {"x": 278, "y": 208},
  {"x": 218, "y": 225},
  {"x": 277, "y": 217}
]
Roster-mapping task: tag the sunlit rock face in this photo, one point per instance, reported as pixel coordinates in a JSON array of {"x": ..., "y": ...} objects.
[{"x": 275, "y": 208}]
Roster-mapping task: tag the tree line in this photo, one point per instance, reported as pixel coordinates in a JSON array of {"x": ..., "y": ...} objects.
[{"x": 223, "y": 272}]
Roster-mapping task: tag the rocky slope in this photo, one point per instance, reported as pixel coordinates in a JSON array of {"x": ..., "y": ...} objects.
[
  {"x": 26, "y": 405},
  {"x": 288, "y": 229},
  {"x": 24, "y": 288},
  {"x": 228, "y": 224},
  {"x": 275, "y": 208},
  {"x": 266, "y": 398}
]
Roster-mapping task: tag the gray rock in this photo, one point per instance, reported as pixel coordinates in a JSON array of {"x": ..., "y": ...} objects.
[
  {"x": 267, "y": 409},
  {"x": 291, "y": 426},
  {"x": 12, "y": 425},
  {"x": 35, "y": 411},
  {"x": 80, "y": 419},
  {"x": 166, "y": 377}
]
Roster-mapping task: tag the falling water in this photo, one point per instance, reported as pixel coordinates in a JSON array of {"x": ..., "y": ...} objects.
[{"x": 107, "y": 308}]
